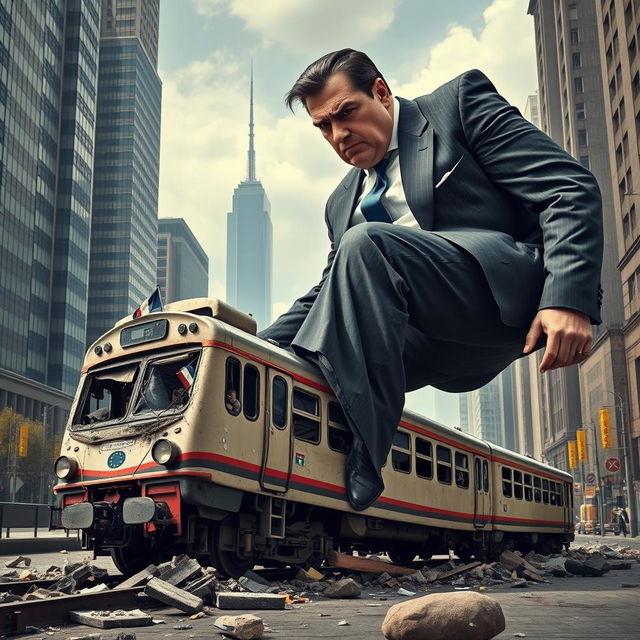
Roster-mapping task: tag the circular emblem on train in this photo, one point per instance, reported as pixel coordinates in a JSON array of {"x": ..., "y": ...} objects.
[{"x": 116, "y": 459}]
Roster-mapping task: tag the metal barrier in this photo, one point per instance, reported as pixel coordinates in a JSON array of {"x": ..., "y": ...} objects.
[{"x": 20, "y": 515}]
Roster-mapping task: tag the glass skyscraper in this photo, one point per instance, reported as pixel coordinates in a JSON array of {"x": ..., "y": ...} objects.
[
  {"x": 48, "y": 86},
  {"x": 125, "y": 188},
  {"x": 249, "y": 243},
  {"x": 183, "y": 266}
]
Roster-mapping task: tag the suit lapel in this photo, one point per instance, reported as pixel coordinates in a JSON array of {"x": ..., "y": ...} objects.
[
  {"x": 415, "y": 148},
  {"x": 344, "y": 202}
]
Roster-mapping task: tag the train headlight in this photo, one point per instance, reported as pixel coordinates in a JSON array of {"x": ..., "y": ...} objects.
[
  {"x": 65, "y": 468},
  {"x": 165, "y": 452}
]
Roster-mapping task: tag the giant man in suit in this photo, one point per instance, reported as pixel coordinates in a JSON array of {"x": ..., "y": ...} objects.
[{"x": 488, "y": 244}]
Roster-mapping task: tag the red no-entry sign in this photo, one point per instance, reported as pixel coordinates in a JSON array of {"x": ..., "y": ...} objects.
[{"x": 612, "y": 464}]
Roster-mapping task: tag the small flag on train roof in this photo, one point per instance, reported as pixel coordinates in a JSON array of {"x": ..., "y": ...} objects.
[
  {"x": 186, "y": 375},
  {"x": 153, "y": 304}
]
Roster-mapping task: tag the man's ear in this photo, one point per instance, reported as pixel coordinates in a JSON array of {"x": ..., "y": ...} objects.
[{"x": 381, "y": 91}]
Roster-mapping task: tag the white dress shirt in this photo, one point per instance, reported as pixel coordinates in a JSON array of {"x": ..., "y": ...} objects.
[{"x": 393, "y": 199}]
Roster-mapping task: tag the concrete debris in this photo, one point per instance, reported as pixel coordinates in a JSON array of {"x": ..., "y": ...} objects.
[
  {"x": 173, "y": 596},
  {"x": 183, "y": 571},
  {"x": 89, "y": 636},
  {"x": 244, "y": 627},
  {"x": 111, "y": 619},
  {"x": 441, "y": 616},
  {"x": 142, "y": 577},
  {"x": 343, "y": 623},
  {"x": 16, "y": 562},
  {"x": 234, "y": 600},
  {"x": 345, "y": 588}
]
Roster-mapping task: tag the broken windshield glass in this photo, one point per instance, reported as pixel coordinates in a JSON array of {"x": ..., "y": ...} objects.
[
  {"x": 109, "y": 394},
  {"x": 167, "y": 384}
]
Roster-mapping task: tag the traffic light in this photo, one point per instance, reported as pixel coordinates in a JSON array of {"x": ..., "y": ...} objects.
[
  {"x": 605, "y": 429},
  {"x": 581, "y": 442},
  {"x": 571, "y": 446}
]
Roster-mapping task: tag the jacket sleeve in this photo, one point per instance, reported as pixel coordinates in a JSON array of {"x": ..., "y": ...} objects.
[
  {"x": 547, "y": 181},
  {"x": 285, "y": 328}
]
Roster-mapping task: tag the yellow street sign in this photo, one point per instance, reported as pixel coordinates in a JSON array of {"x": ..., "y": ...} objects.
[
  {"x": 581, "y": 441},
  {"x": 590, "y": 491},
  {"x": 23, "y": 442},
  {"x": 573, "y": 456},
  {"x": 605, "y": 429}
]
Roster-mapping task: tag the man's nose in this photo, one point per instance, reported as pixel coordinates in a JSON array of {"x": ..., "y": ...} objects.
[{"x": 340, "y": 132}]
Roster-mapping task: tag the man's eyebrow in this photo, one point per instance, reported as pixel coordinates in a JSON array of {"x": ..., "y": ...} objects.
[{"x": 345, "y": 104}]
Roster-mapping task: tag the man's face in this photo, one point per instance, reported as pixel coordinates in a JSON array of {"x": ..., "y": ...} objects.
[{"x": 356, "y": 125}]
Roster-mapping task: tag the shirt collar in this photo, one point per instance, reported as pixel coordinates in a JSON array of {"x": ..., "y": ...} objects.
[{"x": 393, "y": 143}]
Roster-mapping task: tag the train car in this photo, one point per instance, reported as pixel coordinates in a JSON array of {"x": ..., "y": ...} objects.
[{"x": 190, "y": 434}]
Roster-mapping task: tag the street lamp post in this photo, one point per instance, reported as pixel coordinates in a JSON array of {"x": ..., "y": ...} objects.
[
  {"x": 599, "y": 498},
  {"x": 631, "y": 503}
]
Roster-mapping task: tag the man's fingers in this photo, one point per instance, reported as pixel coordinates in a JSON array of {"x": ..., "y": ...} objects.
[
  {"x": 534, "y": 334},
  {"x": 550, "y": 352}
]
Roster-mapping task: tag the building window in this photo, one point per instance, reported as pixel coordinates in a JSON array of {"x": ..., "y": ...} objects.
[
  {"x": 582, "y": 137},
  {"x": 584, "y": 161},
  {"x": 632, "y": 49},
  {"x": 635, "y": 85},
  {"x": 578, "y": 85},
  {"x": 626, "y": 227},
  {"x": 572, "y": 10},
  {"x": 580, "y": 111},
  {"x": 612, "y": 88},
  {"x": 306, "y": 416},
  {"x": 615, "y": 43},
  {"x": 631, "y": 286},
  {"x": 576, "y": 60},
  {"x": 574, "y": 36}
]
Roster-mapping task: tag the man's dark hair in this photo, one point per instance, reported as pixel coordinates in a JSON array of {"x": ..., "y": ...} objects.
[{"x": 356, "y": 65}]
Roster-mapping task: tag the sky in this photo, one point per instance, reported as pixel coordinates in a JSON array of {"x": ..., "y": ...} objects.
[{"x": 205, "y": 53}]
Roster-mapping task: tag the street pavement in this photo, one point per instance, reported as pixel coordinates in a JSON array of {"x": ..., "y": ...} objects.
[{"x": 566, "y": 609}]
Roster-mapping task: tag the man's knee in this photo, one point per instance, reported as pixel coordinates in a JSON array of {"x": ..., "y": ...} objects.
[{"x": 364, "y": 237}]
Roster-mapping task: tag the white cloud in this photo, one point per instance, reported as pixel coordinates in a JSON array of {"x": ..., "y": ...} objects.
[
  {"x": 504, "y": 50},
  {"x": 304, "y": 25}
]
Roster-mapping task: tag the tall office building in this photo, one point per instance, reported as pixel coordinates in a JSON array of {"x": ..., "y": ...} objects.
[
  {"x": 619, "y": 33},
  {"x": 124, "y": 225},
  {"x": 183, "y": 266},
  {"x": 48, "y": 84},
  {"x": 249, "y": 242},
  {"x": 572, "y": 109}
]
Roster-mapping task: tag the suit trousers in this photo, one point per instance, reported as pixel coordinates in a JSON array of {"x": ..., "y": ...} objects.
[{"x": 402, "y": 308}]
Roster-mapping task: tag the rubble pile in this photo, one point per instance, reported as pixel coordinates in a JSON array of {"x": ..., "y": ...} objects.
[{"x": 198, "y": 591}]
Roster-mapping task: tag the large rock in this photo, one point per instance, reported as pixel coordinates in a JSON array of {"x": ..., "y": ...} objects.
[
  {"x": 345, "y": 588},
  {"x": 244, "y": 627},
  {"x": 445, "y": 616}
]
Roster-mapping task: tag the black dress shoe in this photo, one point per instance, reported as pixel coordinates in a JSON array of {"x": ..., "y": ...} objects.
[{"x": 364, "y": 485}]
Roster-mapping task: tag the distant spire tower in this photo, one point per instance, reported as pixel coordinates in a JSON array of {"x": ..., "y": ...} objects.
[{"x": 251, "y": 160}]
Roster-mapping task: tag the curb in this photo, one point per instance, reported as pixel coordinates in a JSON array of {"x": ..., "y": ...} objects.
[{"x": 10, "y": 546}]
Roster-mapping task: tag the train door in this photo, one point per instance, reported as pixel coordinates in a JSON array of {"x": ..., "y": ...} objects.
[
  {"x": 567, "y": 510},
  {"x": 276, "y": 452},
  {"x": 481, "y": 502}
]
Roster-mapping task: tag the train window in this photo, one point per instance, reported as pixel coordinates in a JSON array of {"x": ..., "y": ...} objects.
[
  {"x": 478, "y": 474},
  {"x": 517, "y": 485},
  {"x": 528, "y": 490},
  {"x": 545, "y": 492},
  {"x": 306, "y": 416},
  {"x": 552, "y": 492},
  {"x": 340, "y": 436},
  {"x": 108, "y": 396},
  {"x": 401, "y": 452},
  {"x": 279, "y": 395},
  {"x": 424, "y": 459},
  {"x": 232, "y": 400},
  {"x": 559, "y": 500},
  {"x": 443, "y": 455},
  {"x": 167, "y": 384},
  {"x": 537, "y": 493},
  {"x": 251, "y": 392},
  {"x": 507, "y": 490},
  {"x": 462, "y": 470},
  {"x": 485, "y": 476}
]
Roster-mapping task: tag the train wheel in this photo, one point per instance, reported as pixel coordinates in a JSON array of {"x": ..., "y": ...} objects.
[
  {"x": 134, "y": 558},
  {"x": 402, "y": 556},
  {"x": 224, "y": 554}
]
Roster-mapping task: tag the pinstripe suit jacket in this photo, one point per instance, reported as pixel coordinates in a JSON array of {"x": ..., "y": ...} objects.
[{"x": 524, "y": 208}]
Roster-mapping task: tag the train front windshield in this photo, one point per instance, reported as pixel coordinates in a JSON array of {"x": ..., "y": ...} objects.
[{"x": 149, "y": 388}]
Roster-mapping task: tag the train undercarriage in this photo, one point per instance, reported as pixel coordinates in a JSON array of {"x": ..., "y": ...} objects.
[{"x": 144, "y": 523}]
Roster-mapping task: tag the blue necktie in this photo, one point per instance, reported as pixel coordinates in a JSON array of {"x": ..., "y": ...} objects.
[{"x": 371, "y": 205}]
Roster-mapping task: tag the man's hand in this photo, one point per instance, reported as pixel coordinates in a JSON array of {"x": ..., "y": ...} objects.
[{"x": 569, "y": 337}]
